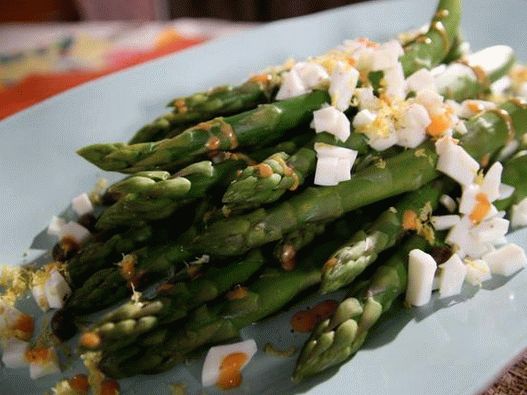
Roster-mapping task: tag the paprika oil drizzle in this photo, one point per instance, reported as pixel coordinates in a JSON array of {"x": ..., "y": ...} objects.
[{"x": 230, "y": 370}]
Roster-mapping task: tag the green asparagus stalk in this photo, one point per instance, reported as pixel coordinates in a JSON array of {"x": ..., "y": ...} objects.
[
  {"x": 338, "y": 338},
  {"x": 168, "y": 346},
  {"x": 172, "y": 302},
  {"x": 364, "y": 247},
  {"x": 431, "y": 48},
  {"x": 155, "y": 195},
  {"x": 108, "y": 286},
  {"x": 202, "y": 106},
  {"x": 265, "y": 124},
  {"x": 402, "y": 173},
  {"x": 266, "y": 182},
  {"x": 97, "y": 255}
]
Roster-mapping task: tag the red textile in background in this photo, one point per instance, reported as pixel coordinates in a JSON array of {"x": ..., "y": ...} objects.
[{"x": 36, "y": 88}]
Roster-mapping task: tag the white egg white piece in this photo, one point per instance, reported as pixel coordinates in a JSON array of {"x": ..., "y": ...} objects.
[
  {"x": 311, "y": 74},
  {"x": 343, "y": 170},
  {"x": 47, "y": 367},
  {"x": 519, "y": 214},
  {"x": 14, "y": 353},
  {"x": 382, "y": 143},
  {"x": 9, "y": 315},
  {"x": 421, "y": 79},
  {"x": 329, "y": 119},
  {"x": 456, "y": 163},
  {"x": 432, "y": 101},
  {"x": 452, "y": 73},
  {"x": 471, "y": 107},
  {"x": 325, "y": 173},
  {"x": 506, "y": 191},
  {"x": 492, "y": 181},
  {"x": 444, "y": 222},
  {"x": 211, "y": 367},
  {"x": 522, "y": 92},
  {"x": 460, "y": 236},
  {"x": 343, "y": 82},
  {"x": 500, "y": 86},
  {"x": 291, "y": 86},
  {"x": 395, "y": 84},
  {"x": 364, "y": 118},
  {"x": 55, "y": 226},
  {"x": 491, "y": 59},
  {"x": 510, "y": 149},
  {"x": 460, "y": 127},
  {"x": 39, "y": 294},
  {"x": 468, "y": 198},
  {"x": 451, "y": 277},
  {"x": 387, "y": 55},
  {"x": 490, "y": 230},
  {"x": 366, "y": 99},
  {"x": 82, "y": 204},
  {"x": 57, "y": 290},
  {"x": 412, "y": 126},
  {"x": 75, "y": 231},
  {"x": 325, "y": 150},
  {"x": 478, "y": 271},
  {"x": 448, "y": 202},
  {"x": 506, "y": 260},
  {"x": 421, "y": 271}
]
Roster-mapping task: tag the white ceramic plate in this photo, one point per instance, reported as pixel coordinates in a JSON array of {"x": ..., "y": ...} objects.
[{"x": 455, "y": 350}]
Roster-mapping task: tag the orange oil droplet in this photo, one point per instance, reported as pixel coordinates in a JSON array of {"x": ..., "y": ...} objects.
[{"x": 230, "y": 370}]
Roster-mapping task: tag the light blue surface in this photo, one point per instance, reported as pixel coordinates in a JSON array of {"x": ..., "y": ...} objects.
[{"x": 455, "y": 350}]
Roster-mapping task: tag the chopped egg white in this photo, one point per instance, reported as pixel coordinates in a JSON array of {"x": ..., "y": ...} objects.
[
  {"x": 448, "y": 202},
  {"x": 451, "y": 74},
  {"x": 366, "y": 99},
  {"x": 333, "y": 164},
  {"x": 325, "y": 173},
  {"x": 478, "y": 271},
  {"x": 291, "y": 86},
  {"x": 506, "y": 191},
  {"x": 429, "y": 99},
  {"x": 329, "y": 119},
  {"x": 82, "y": 205},
  {"x": 39, "y": 294},
  {"x": 464, "y": 240},
  {"x": 491, "y": 59},
  {"x": 9, "y": 316},
  {"x": 506, "y": 260},
  {"x": 412, "y": 126},
  {"x": 421, "y": 271},
  {"x": 46, "y": 366},
  {"x": 57, "y": 290},
  {"x": 75, "y": 231},
  {"x": 55, "y": 226},
  {"x": 456, "y": 163},
  {"x": 14, "y": 353},
  {"x": 343, "y": 82},
  {"x": 311, "y": 74},
  {"x": 443, "y": 222},
  {"x": 468, "y": 198},
  {"x": 472, "y": 107},
  {"x": 395, "y": 84},
  {"x": 519, "y": 214},
  {"x": 420, "y": 80},
  {"x": 461, "y": 128},
  {"x": 364, "y": 118},
  {"x": 381, "y": 142},
  {"x": 211, "y": 367},
  {"x": 451, "y": 277},
  {"x": 387, "y": 55},
  {"x": 492, "y": 181},
  {"x": 490, "y": 230}
]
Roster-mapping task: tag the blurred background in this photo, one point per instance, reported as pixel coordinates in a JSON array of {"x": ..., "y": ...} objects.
[{"x": 48, "y": 46}]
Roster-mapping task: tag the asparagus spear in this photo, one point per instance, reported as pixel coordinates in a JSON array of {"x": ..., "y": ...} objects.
[
  {"x": 221, "y": 321},
  {"x": 338, "y": 338},
  {"x": 202, "y": 106},
  {"x": 148, "y": 196},
  {"x": 109, "y": 285},
  {"x": 363, "y": 248},
  {"x": 265, "y": 124},
  {"x": 173, "y": 302},
  {"x": 431, "y": 48},
  {"x": 266, "y": 182},
  {"x": 96, "y": 255},
  {"x": 405, "y": 172}
]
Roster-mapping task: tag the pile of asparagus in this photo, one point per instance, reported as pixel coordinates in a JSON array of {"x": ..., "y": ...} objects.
[{"x": 220, "y": 194}]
